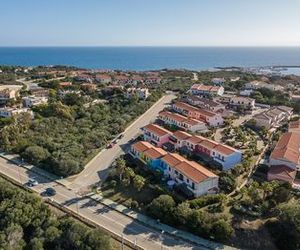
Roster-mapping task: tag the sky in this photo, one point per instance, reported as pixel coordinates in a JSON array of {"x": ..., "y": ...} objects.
[{"x": 149, "y": 23}]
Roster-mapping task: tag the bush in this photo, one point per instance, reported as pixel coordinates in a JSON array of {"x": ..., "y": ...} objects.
[
  {"x": 134, "y": 204},
  {"x": 206, "y": 200}
]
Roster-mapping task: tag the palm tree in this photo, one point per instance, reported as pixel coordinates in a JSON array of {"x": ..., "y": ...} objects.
[{"x": 120, "y": 166}]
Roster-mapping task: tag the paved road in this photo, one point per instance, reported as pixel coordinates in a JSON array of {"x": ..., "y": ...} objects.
[
  {"x": 98, "y": 168},
  {"x": 195, "y": 76},
  {"x": 105, "y": 217}
]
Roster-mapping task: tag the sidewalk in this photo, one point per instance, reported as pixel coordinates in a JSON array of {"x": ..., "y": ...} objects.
[
  {"x": 14, "y": 158},
  {"x": 152, "y": 223},
  {"x": 186, "y": 236}
]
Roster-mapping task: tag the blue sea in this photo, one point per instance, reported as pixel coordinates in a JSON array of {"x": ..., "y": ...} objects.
[{"x": 147, "y": 58}]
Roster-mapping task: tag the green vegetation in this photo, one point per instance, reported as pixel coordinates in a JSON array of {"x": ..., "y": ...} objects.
[
  {"x": 65, "y": 134},
  {"x": 271, "y": 97},
  {"x": 140, "y": 188},
  {"x": 27, "y": 223}
]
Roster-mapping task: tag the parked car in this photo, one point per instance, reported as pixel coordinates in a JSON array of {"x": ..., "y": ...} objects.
[
  {"x": 50, "y": 191},
  {"x": 32, "y": 183},
  {"x": 110, "y": 145}
]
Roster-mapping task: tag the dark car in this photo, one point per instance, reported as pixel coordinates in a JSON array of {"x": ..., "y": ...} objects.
[
  {"x": 110, "y": 145},
  {"x": 50, "y": 191}
]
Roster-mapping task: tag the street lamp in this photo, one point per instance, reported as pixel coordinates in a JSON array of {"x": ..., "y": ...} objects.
[{"x": 162, "y": 232}]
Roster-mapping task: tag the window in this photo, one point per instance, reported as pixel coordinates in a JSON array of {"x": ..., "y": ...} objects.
[
  {"x": 187, "y": 180},
  {"x": 193, "y": 185},
  {"x": 169, "y": 169},
  {"x": 176, "y": 172},
  {"x": 181, "y": 177}
]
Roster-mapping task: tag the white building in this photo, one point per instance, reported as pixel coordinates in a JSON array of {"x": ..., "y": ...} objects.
[
  {"x": 11, "y": 112},
  {"x": 259, "y": 84},
  {"x": 218, "y": 81},
  {"x": 142, "y": 93},
  {"x": 240, "y": 101},
  {"x": 30, "y": 101},
  {"x": 192, "y": 175},
  {"x": 181, "y": 121},
  {"x": 9, "y": 92},
  {"x": 206, "y": 90}
]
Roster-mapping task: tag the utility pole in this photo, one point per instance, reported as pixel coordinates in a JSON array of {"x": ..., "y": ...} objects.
[{"x": 122, "y": 242}]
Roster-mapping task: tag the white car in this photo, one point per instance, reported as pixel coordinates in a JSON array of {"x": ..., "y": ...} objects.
[{"x": 32, "y": 183}]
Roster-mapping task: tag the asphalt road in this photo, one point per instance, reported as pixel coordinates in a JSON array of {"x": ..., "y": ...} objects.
[
  {"x": 98, "y": 168},
  {"x": 108, "y": 218}
]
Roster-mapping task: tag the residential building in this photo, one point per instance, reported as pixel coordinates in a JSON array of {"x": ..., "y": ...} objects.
[
  {"x": 152, "y": 80},
  {"x": 206, "y": 90},
  {"x": 273, "y": 117},
  {"x": 182, "y": 122},
  {"x": 148, "y": 154},
  {"x": 103, "y": 78},
  {"x": 192, "y": 175},
  {"x": 88, "y": 86},
  {"x": 121, "y": 79},
  {"x": 235, "y": 79},
  {"x": 197, "y": 179},
  {"x": 284, "y": 160},
  {"x": 62, "y": 93},
  {"x": 218, "y": 81},
  {"x": 294, "y": 126},
  {"x": 11, "y": 112},
  {"x": 31, "y": 101},
  {"x": 142, "y": 93},
  {"x": 246, "y": 92},
  {"x": 136, "y": 79},
  {"x": 65, "y": 84},
  {"x": 9, "y": 92},
  {"x": 156, "y": 135},
  {"x": 209, "y": 117},
  {"x": 205, "y": 103},
  {"x": 225, "y": 155},
  {"x": 259, "y": 84},
  {"x": 84, "y": 78},
  {"x": 237, "y": 102},
  {"x": 39, "y": 91}
]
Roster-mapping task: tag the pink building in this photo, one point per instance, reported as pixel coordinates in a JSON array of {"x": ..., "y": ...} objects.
[
  {"x": 156, "y": 135},
  {"x": 211, "y": 118},
  {"x": 181, "y": 121}
]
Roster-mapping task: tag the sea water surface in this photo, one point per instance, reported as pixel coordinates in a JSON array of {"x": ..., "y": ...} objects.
[{"x": 147, "y": 58}]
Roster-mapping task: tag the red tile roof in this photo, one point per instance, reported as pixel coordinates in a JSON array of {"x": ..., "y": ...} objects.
[
  {"x": 287, "y": 148},
  {"x": 282, "y": 171},
  {"x": 190, "y": 108},
  {"x": 207, "y": 88},
  {"x": 142, "y": 146},
  {"x": 181, "y": 135},
  {"x": 173, "y": 159},
  {"x": 194, "y": 171},
  {"x": 294, "y": 125},
  {"x": 157, "y": 130},
  {"x": 224, "y": 149},
  {"x": 155, "y": 153}
]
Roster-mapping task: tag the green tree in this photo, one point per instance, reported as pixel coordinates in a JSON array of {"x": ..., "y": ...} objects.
[
  {"x": 182, "y": 213},
  {"x": 138, "y": 182},
  {"x": 162, "y": 207},
  {"x": 120, "y": 166},
  {"x": 35, "y": 154},
  {"x": 221, "y": 230}
]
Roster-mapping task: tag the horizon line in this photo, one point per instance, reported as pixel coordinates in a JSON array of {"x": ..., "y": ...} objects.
[{"x": 150, "y": 46}]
